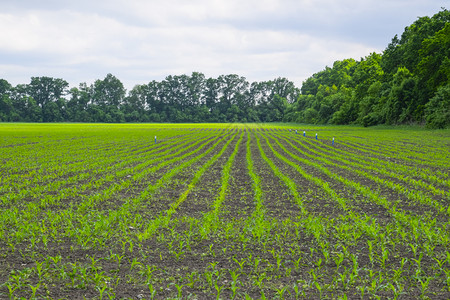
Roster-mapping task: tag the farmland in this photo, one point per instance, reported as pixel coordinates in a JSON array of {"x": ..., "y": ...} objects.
[{"x": 223, "y": 211}]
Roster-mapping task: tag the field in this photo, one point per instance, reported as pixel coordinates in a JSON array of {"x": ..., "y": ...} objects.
[{"x": 223, "y": 211}]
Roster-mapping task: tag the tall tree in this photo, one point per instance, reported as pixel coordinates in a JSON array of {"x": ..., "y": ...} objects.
[
  {"x": 108, "y": 92},
  {"x": 6, "y": 106},
  {"x": 78, "y": 104},
  {"x": 47, "y": 89}
]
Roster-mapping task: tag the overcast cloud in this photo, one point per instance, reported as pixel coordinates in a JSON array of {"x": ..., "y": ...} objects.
[{"x": 139, "y": 41}]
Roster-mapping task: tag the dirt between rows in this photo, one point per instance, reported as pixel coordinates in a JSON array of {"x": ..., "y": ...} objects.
[
  {"x": 356, "y": 156},
  {"x": 383, "y": 190}
]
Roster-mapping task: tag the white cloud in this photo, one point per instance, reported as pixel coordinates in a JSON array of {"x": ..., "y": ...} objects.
[{"x": 139, "y": 40}]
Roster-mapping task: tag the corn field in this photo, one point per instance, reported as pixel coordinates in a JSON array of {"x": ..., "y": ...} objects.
[{"x": 223, "y": 211}]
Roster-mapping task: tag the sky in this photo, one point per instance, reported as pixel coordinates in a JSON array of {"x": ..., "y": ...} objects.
[{"x": 139, "y": 41}]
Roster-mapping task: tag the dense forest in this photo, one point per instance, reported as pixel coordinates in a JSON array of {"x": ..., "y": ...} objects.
[{"x": 409, "y": 83}]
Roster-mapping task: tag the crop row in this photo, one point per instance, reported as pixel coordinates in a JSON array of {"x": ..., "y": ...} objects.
[{"x": 225, "y": 212}]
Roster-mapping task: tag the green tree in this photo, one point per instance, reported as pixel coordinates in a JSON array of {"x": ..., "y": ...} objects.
[
  {"x": 434, "y": 65},
  {"x": 108, "y": 92},
  {"x": 285, "y": 89},
  {"x": 77, "y": 106},
  {"x": 403, "y": 52},
  {"x": 402, "y": 100},
  {"x": 47, "y": 89},
  {"x": 231, "y": 90},
  {"x": 6, "y": 106},
  {"x": 52, "y": 112},
  {"x": 369, "y": 107},
  {"x": 437, "y": 111},
  {"x": 134, "y": 106}
]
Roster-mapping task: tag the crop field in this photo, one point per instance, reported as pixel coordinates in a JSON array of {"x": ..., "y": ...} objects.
[{"x": 223, "y": 211}]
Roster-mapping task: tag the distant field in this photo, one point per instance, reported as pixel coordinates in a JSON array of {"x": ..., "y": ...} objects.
[{"x": 223, "y": 211}]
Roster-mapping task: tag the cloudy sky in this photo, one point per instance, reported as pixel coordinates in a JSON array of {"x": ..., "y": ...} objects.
[{"x": 143, "y": 40}]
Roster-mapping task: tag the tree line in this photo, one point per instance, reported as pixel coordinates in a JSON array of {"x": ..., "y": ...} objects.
[
  {"x": 409, "y": 83},
  {"x": 228, "y": 98}
]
